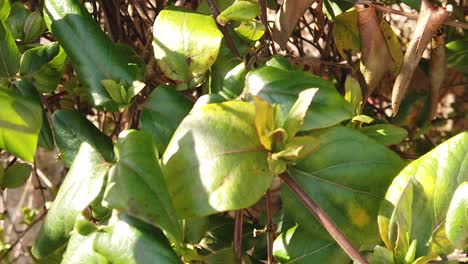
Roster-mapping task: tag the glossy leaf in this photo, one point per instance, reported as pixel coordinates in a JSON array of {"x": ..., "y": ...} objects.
[
  {"x": 46, "y": 139},
  {"x": 241, "y": 10},
  {"x": 16, "y": 175},
  {"x": 34, "y": 26},
  {"x": 185, "y": 44},
  {"x": 130, "y": 241},
  {"x": 82, "y": 184},
  {"x": 348, "y": 184},
  {"x": 295, "y": 246},
  {"x": 20, "y": 123},
  {"x": 251, "y": 30},
  {"x": 136, "y": 184},
  {"x": 282, "y": 87},
  {"x": 43, "y": 66},
  {"x": 9, "y": 53},
  {"x": 4, "y": 9},
  {"x": 215, "y": 158},
  {"x": 93, "y": 55},
  {"x": 162, "y": 114},
  {"x": 456, "y": 224},
  {"x": 16, "y": 19},
  {"x": 234, "y": 82},
  {"x": 457, "y": 54},
  {"x": 71, "y": 129},
  {"x": 295, "y": 118},
  {"x": 439, "y": 173},
  {"x": 386, "y": 134}
]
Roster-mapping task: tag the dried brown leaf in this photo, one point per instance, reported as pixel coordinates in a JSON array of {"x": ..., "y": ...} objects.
[
  {"x": 287, "y": 18},
  {"x": 437, "y": 69},
  {"x": 429, "y": 20},
  {"x": 376, "y": 59}
]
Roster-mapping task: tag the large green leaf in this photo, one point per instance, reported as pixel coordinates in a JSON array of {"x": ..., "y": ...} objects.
[
  {"x": 136, "y": 184},
  {"x": 282, "y": 87},
  {"x": 185, "y": 44},
  {"x": 129, "y": 241},
  {"x": 16, "y": 175},
  {"x": 80, "y": 187},
  {"x": 456, "y": 224},
  {"x": 93, "y": 55},
  {"x": 347, "y": 184},
  {"x": 43, "y": 66},
  {"x": 20, "y": 123},
  {"x": 386, "y": 134},
  {"x": 216, "y": 159},
  {"x": 9, "y": 53},
  {"x": 71, "y": 129},
  {"x": 4, "y": 9},
  {"x": 162, "y": 114},
  {"x": 438, "y": 173},
  {"x": 296, "y": 246}
]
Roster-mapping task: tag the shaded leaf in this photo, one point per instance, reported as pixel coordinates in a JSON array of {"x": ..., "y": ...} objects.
[
  {"x": 382, "y": 255},
  {"x": 34, "y": 26},
  {"x": 16, "y": 19},
  {"x": 20, "y": 123},
  {"x": 456, "y": 224},
  {"x": 16, "y": 175},
  {"x": 71, "y": 129},
  {"x": 144, "y": 244},
  {"x": 81, "y": 186},
  {"x": 216, "y": 158},
  {"x": 282, "y": 87},
  {"x": 240, "y": 10},
  {"x": 347, "y": 184},
  {"x": 162, "y": 114},
  {"x": 429, "y": 20},
  {"x": 286, "y": 19},
  {"x": 91, "y": 52},
  {"x": 457, "y": 54},
  {"x": 136, "y": 184},
  {"x": 185, "y": 44},
  {"x": 386, "y": 134},
  {"x": 439, "y": 173},
  {"x": 9, "y": 53},
  {"x": 295, "y": 246},
  {"x": 43, "y": 66}
]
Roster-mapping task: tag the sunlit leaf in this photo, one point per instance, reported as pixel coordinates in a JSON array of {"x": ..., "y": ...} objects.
[
  {"x": 240, "y": 10},
  {"x": 386, "y": 134},
  {"x": 456, "y": 224},
  {"x": 4, "y": 9},
  {"x": 9, "y": 53}
]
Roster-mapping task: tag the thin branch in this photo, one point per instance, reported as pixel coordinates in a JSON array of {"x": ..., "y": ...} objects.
[
  {"x": 229, "y": 41},
  {"x": 324, "y": 219},
  {"x": 270, "y": 229},
  {"x": 239, "y": 219}
]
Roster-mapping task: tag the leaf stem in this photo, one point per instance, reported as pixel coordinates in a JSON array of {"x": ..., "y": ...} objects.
[
  {"x": 324, "y": 219},
  {"x": 239, "y": 219},
  {"x": 229, "y": 41},
  {"x": 270, "y": 228}
]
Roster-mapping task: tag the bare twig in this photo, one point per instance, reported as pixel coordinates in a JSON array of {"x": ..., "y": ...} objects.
[
  {"x": 324, "y": 219},
  {"x": 239, "y": 219}
]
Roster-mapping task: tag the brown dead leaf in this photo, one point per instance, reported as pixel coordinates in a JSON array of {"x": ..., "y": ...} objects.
[
  {"x": 287, "y": 18},
  {"x": 437, "y": 69},
  {"x": 430, "y": 19},
  {"x": 376, "y": 59}
]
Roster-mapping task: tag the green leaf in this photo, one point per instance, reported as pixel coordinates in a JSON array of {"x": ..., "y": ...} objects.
[
  {"x": 298, "y": 111},
  {"x": 386, "y": 134},
  {"x": 136, "y": 185},
  {"x": 279, "y": 62},
  {"x": 130, "y": 241},
  {"x": 353, "y": 94},
  {"x": 438, "y": 173},
  {"x": 46, "y": 139},
  {"x": 346, "y": 34},
  {"x": 81, "y": 186},
  {"x": 282, "y": 87},
  {"x": 16, "y": 175},
  {"x": 4, "y": 9},
  {"x": 362, "y": 119},
  {"x": 295, "y": 246},
  {"x": 234, "y": 81},
  {"x": 215, "y": 158},
  {"x": 264, "y": 121},
  {"x": 9, "y": 53},
  {"x": 20, "y": 123},
  {"x": 185, "y": 44},
  {"x": 16, "y": 20},
  {"x": 456, "y": 224},
  {"x": 91, "y": 52},
  {"x": 457, "y": 54},
  {"x": 223, "y": 256},
  {"x": 162, "y": 114},
  {"x": 250, "y": 30},
  {"x": 115, "y": 91},
  {"x": 347, "y": 184},
  {"x": 71, "y": 129},
  {"x": 34, "y": 26},
  {"x": 43, "y": 66},
  {"x": 239, "y": 11},
  {"x": 382, "y": 255}
]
